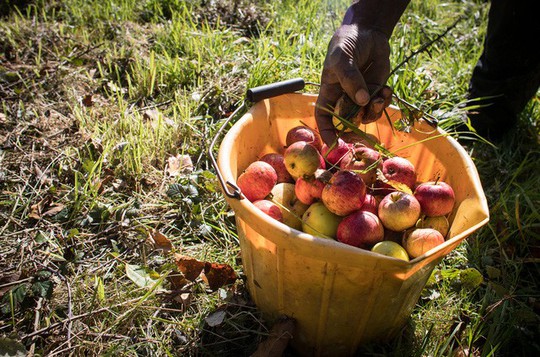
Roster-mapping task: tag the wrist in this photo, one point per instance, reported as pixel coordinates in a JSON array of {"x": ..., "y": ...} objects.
[{"x": 378, "y": 15}]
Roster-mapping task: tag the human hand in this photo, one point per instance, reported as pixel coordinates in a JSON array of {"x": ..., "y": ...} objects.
[{"x": 356, "y": 68}]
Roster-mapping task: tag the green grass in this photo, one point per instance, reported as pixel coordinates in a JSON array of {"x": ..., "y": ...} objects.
[{"x": 97, "y": 95}]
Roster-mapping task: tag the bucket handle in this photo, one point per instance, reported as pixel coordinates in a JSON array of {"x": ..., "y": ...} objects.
[{"x": 253, "y": 95}]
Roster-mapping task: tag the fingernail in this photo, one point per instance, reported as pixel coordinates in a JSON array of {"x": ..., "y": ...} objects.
[
  {"x": 378, "y": 105},
  {"x": 362, "y": 97}
]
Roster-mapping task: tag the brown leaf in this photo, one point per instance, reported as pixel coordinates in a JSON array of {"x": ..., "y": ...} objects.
[
  {"x": 190, "y": 267},
  {"x": 178, "y": 281},
  {"x": 6, "y": 279},
  {"x": 88, "y": 100},
  {"x": 178, "y": 164},
  {"x": 160, "y": 240},
  {"x": 218, "y": 275},
  {"x": 277, "y": 341},
  {"x": 37, "y": 209},
  {"x": 55, "y": 208}
]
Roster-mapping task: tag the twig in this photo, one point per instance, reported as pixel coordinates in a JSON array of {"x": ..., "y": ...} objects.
[
  {"x": 36, "y": 325},
  {"x": 78, "y": 317},
  {"x": 425, "y": 46}
]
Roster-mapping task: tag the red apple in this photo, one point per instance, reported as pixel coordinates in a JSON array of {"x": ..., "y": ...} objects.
[
  {"x": 319, "y": 221},
  {"x": 338, "y": 152},
  {"x": 361, "y": 229},
  {"x": 301, "y": 159},
  {"x": 278, "y": 163},
  {"x": 436, "y": 198},
  {"x": 309, "y": 189},
  {"x": 364, "y": 161},
  {"x": 400, "y": 170},
  {"x": 353, "y": 138},
  {"x": 421, "y": 240},
  {"x": 370, "y": 204},
  {"x": 344, "y": 193},
  {"x": 303, "y": 133},
  {"x": 257, "y": 180},
  {"x": 399, "y": 211},
  {"x": 270, "y": 209}
]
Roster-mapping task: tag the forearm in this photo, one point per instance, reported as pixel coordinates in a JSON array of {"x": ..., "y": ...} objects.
[{"x": 380, "y": 15}]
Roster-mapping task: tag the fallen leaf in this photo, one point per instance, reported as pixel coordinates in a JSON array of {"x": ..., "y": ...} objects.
[
  {"x": 277, "y": 341},
  {"x": 140, "y": 276},
  {"x": 151, "y": 114},
  {"x": 190, "y": 267},
  {"x": 54, "y": 209},
  {"x": 178, "y": 281},
  {"x": 217, "y": 275},
  {"x": 160, "y": 240},
  {"x": 88, "y": 100},
  {"x": 179, "y": 164},
  {"x": 11, "y": 348},
  {"x": 216, "y": 318},
  {"x": 6, "y": 280}
]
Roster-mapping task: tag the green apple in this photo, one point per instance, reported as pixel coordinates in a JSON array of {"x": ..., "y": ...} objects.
[
  {"x": 301, "y": 159},
  {"x": 391, "y": 249},
  {"x": 292, "y": 209},
  {"x": 319, "y": 221}
]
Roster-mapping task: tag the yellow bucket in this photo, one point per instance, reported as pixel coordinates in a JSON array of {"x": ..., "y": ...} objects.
[{"x": 341, "y": 296}]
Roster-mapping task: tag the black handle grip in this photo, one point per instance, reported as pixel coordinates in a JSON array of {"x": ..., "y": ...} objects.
[{"x": 274, "y": 89}]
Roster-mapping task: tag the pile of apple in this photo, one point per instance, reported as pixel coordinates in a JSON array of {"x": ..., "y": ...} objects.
[{"x": 350, "y": 192}]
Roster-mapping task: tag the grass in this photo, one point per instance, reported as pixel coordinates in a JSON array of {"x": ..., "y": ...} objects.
[{"x": 96, "y": 96}]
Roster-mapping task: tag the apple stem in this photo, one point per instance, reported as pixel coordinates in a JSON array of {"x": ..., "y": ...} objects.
[{"x": 438, "y": 178}]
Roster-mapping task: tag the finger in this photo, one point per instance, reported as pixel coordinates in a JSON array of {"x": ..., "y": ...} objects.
[
  {"x": 352, "y": 81},
  {"x": 381, "y": 98},
  {"x": 324, "y": 107}
]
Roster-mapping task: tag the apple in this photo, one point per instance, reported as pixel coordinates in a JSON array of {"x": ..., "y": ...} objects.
[
  {"x": 303, "y": 133},
  {"x": 366, "y": 139},
  {"x": 291, "y": 208},
  {"x": 361, "y": 229},
  {"x": 421, "y": 240},
  {"x": 364, "y": 161},
  {"x": 319, "y": 221},
  {"x": 309, "y": 189},
  {"x": 391, "y": 249},
  {"x": 370, "y": 204},
  {"x": 337, "y": 152},
  {"x": 399, "y": 211},
  {"x": 301, "y": 159},
  {"x": 257, "y": 180},
  {"x": 436, "y": 198},
  {"x": 400, "y": 170},
  {"x": 278, "y": 163},
  {"x": 270, "y": 208},
  {"x": 344, "y": 193},
  {"x": 439, "y": 223}
]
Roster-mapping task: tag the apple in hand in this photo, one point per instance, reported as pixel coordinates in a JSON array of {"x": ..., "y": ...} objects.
[
  {"x": 337, "y": 152},
  {"x": 291, "y": 208},
  {"x": 301, "y": 159},
  {"x": 364, "y": 161},
  {"x": 278, "y": 163},
  {"x": 420, "y": 240},
  {"x": 399, "y": 211},
  {"x": 436, "y": 198},
  {"x": 303, "y": 133},
  {"x": 400, "y": 170},
  {"x": 257, "y": 180},
  {"x": 344, "y": 193},
  {"x": 391, "y": 249},
  {"x": 319, "y": 221},
  {"x": 361, "y": 229},
  {"x": 270, "y": 209},
  {"x": 309, "y": 189}
]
